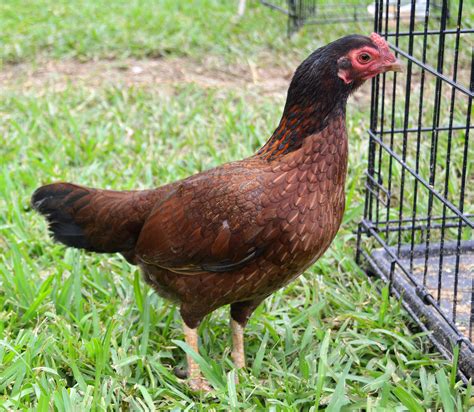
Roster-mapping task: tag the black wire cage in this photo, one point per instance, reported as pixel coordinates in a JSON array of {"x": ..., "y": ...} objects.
[
  {"x": 416, "y": 233},
  {"x": 301, "y": 12}
]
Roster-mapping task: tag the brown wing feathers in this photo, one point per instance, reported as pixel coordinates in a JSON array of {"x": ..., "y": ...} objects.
[{"x": 207, "y": 224}]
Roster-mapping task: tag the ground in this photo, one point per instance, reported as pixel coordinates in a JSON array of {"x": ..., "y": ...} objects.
[{"x": 136, "y": 94}]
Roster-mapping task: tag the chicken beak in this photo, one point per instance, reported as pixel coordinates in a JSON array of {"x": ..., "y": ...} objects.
[
  {"x": 395, "y": 66},
  {"x": 391, "y": 63}
]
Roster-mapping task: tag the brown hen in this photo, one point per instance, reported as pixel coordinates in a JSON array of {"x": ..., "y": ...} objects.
[{"x": 235, "y": 234}]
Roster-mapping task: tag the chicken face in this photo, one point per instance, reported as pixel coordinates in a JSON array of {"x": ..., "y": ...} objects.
[{"x": 368, "y": 61}]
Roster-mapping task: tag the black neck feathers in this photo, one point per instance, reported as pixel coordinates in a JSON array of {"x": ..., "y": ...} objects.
[{"x": 316, "y": 95}]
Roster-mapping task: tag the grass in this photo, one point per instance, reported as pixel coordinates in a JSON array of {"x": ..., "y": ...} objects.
[
  {"x": 83, "y": 332},
  {"x": 140, "y": 28}
]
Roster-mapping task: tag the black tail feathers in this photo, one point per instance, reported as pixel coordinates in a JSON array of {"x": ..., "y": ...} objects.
[
  {"x": 104, "y": 221},
  {"x": 59, "y": 203}
]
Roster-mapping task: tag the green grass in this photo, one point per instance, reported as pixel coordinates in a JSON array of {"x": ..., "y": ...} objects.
[
  {"x": 142, "y": 28},
  {"x": 81, "y": 331}
]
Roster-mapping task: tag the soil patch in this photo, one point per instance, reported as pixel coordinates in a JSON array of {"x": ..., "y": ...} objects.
[
  {"x": 163, "y": 74},
  {"x": 59, "y": 74}
]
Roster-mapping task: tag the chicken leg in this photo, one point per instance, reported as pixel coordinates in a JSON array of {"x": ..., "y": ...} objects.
[
  {"x": 196, "y": 381},
  {"x": 238, "y": 352},
  {"x": 240, "y": 313}
]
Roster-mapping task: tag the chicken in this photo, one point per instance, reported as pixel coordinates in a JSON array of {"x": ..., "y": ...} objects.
[{"x": 235, "y": 234}]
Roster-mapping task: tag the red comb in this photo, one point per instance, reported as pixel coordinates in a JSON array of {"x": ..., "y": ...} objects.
[{"x": 379, "y": 41}]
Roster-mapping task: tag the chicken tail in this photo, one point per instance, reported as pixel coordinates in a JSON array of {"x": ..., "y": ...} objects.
[{"x": 96, "y": 220}]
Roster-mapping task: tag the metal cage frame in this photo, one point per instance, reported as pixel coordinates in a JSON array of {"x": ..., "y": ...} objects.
[
  {"x": 416, "y": 233},
  {"x": 301, "y": 12}
]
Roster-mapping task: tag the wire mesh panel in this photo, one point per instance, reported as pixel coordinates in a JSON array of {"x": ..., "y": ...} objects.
[
  {"x": 301, "y": 12},
  {"x": 419, "y": 208}
]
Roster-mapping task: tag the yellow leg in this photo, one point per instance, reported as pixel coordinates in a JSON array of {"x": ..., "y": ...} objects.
[
  {"x": 196, "y": 381},
  {"x": 238, "y": 352}
]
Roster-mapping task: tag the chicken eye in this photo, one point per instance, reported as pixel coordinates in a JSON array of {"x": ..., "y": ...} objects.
[{"x": 364, "y": 58}]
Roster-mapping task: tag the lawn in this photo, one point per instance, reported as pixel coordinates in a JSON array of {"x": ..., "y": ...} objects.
[{"x": 134, "y": 94}]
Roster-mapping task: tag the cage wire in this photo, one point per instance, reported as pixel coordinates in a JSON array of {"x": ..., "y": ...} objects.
[
  {"x": 301, "y": 12},
  {"x": 416, "y": 233}
]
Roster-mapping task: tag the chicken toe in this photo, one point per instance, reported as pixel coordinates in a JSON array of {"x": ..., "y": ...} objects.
[{"x": 199, "y": 385}]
